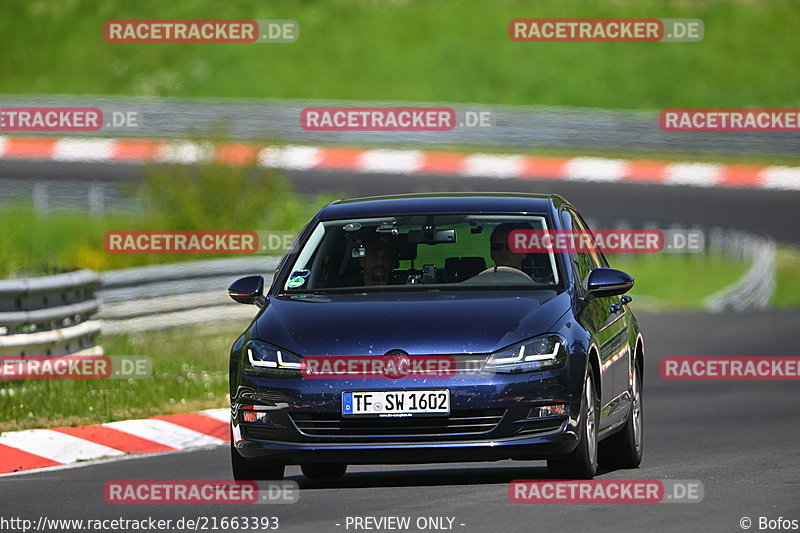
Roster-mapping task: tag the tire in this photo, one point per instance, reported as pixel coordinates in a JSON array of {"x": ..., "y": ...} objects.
[
  {"x": 244, "y": 470},
  {"x": 324, "y": 470},
  {"x": 624, "y": 449},
  {"x": 582, "y": 462}
]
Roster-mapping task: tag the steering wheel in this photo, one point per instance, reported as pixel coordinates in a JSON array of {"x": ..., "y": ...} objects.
[{"x": 505, "y": 269}]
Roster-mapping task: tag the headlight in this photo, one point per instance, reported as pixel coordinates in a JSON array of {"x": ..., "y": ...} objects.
[
  {"x": 262, "y": 358},
  {"x": 548, "y": 351}
]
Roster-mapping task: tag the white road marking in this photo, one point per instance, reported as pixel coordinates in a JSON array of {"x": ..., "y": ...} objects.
[
  {"x": 164, "y": 433},
  {"x": 595, "y": 169},
  {"x": 58, "y": 447},
  {"x": 293, "y": 157},
  {"x": 391, "y": 161},
  {"x": 493, "y": 166}
]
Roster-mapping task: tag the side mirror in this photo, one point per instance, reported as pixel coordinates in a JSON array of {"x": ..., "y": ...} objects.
[
  {"x": 608, "y": 282},
  {"x": 249, "y": 290}
]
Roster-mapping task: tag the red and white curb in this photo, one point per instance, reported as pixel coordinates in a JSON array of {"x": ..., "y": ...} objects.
[
  {"x": 508, "y": 166},
  {"x": 41, "y": 448}
]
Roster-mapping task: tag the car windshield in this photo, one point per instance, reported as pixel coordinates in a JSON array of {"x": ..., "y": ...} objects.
[{"x": 420, "y": 252}]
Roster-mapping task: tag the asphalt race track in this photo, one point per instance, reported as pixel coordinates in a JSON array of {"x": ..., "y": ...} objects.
[{"x": 739, "y": 438}]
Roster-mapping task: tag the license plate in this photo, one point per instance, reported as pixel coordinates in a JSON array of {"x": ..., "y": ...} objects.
[{"x": 396, "y": 403}]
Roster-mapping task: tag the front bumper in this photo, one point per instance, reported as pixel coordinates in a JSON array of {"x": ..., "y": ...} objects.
[
  {"x": 490, "y": 420},
  {"x": 530, "y": 448}
]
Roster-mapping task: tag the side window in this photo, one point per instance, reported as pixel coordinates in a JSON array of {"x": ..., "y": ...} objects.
[
  {"x": 582, "y": 263},
  {"x": 597, "y": 257}
]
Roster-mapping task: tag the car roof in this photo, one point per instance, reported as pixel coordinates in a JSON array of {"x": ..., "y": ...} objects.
[{"x": 442, "y": 203}]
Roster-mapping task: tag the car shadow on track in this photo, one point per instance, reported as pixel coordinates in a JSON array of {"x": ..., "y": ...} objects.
[{"x": 432, "y": 477}]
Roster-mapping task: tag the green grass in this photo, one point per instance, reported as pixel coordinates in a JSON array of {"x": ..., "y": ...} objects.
[
  {"x": 678, "y": 281},
  {"x": 205, "y": 197},
  {"x": 787, "y": 278},
  {"x": 190, "y": 372},
  {"x": 55, "y": 242},
  {"x": 64, "y": 240},
  {"x": 425, "y": 50}
]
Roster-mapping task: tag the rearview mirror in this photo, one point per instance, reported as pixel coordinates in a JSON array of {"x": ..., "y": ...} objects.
[
  {"x": 436, "y": 236},
  {"x": 608, "y": 282},
  {"x": 249, "y": 290}
]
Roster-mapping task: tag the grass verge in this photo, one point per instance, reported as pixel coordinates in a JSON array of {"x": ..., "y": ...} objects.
[
  {"x": 787, "y": 278},
  {"x": 677, "y": 281},
  {"x": 419, "y": 50},
  {"x": 190, "y": 372},
  {"x": 208, "y": 196}
]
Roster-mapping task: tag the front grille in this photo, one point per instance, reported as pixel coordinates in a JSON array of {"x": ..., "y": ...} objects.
[{"x": 471, "y": 422}]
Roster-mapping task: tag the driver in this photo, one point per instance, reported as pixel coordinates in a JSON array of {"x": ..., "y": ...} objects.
[
  {"x": 501, "y": 254},
  {"x": 380, "y": 259}
]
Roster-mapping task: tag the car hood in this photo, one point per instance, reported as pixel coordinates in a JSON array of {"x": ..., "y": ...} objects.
[{"x": 416, "y": 322}]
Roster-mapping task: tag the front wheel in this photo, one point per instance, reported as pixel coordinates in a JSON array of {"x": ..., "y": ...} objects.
[
  {"x": 624, "y": 449},
  {"x": 582, "y": 462}
]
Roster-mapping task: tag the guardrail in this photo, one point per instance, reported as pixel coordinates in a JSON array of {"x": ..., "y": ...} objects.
[
  {"x": 754, "y": 290},
  {"x": 179, "y": 294},
  {"x": 49, "y": 315}
]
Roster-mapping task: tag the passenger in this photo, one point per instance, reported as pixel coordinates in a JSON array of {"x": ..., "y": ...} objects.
[
  {"x": 501, "y": 254},
  {"x": 380, "y": 259}
]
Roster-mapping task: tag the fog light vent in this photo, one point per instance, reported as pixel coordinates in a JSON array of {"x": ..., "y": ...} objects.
[
  {"x": 549, "y": 411},
  {"x": 254, "y": 416}
]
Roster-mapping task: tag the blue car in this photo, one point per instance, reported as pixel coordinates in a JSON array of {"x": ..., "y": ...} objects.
[{"x": 408, "y": 329}]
